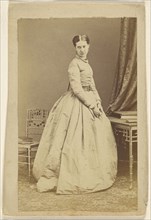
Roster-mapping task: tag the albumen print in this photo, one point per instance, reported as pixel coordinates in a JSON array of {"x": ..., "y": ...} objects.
[{"x": 78, "y": 110}]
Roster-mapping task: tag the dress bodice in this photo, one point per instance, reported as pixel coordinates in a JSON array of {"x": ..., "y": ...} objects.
[
  {"x": 86, "y": 72},
  {"x": 80, "y": 75}
]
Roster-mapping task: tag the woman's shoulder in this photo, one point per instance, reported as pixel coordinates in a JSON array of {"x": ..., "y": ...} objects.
[{"x": 74, "y": 61}]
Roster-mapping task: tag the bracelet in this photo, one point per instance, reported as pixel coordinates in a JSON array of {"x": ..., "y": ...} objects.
[
  {"x": 99, "y": 101},
  {"x": 92, "y": 107}
]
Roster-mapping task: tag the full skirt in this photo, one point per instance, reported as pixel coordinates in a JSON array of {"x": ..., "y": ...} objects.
[{"x": 77, "y": 151}]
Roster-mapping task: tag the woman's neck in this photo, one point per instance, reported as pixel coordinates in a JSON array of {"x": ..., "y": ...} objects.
[{"x": 84, "y": 58}]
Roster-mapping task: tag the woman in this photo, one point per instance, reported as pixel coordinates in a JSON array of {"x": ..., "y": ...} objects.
[{"x": 77, "y": 152}]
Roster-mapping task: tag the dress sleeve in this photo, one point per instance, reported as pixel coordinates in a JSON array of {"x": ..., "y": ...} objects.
[
  {"x": 75, "y": 83},
  {"x": 93, "y": 87}
]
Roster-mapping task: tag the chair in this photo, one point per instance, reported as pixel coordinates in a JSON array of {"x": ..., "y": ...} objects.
[{"x": 28, "y": 145}]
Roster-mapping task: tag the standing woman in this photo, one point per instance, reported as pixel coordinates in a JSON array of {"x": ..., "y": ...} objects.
[{"x": 77, "y": 152}]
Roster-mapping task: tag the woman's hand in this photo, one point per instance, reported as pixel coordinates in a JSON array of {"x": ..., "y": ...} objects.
[
  {"x": 100, "y": 107},
  {"x": 96, "y": 112}
]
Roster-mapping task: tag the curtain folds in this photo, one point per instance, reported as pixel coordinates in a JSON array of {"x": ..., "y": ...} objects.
[{"x": 124, "y": 92}]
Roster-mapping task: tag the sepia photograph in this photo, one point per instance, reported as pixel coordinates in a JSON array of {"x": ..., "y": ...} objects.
[
  {"x": 78, "y": 112},
  {"x": 73, "y": 75}
]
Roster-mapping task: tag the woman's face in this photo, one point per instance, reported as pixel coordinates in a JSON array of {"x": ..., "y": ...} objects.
[{"x": 82, "y": 49}]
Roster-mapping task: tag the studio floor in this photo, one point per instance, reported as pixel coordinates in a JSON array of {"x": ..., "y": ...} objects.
[{"x": 118, "y": 198}]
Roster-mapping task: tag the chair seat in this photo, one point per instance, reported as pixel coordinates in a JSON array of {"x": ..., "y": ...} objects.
[{"x": 28, "y": 145}]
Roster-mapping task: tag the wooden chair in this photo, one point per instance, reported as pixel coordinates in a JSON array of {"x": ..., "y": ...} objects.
[{"x": 28, "y": 145}]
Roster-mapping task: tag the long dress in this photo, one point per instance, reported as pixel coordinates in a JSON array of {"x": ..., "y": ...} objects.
[{"x": 77, "y": 151}]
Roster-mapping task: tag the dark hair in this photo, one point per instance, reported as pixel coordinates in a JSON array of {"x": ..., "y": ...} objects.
[{"x": 78, "y": 38}]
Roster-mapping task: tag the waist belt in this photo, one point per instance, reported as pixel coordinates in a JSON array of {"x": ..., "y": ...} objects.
[{"x": 87, "y": 88}]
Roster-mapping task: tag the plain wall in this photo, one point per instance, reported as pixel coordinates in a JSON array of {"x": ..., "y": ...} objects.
[{"x": 45, "y": 50}]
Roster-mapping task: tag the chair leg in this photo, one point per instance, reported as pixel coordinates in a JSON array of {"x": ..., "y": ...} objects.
[
  {"x": 29, "y": 162},
  {"x": 27, "y": 158}
]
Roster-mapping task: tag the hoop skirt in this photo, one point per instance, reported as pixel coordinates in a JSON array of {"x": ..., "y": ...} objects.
[{"x": 77, "y": 151}]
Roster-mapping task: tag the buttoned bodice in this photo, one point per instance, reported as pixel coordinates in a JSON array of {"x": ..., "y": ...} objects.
[
  {"x": 80, "y": 75},
  {"x": 86, "y": 72}
]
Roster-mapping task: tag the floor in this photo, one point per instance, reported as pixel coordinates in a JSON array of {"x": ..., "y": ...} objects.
[{"x": 118, "y": 198}]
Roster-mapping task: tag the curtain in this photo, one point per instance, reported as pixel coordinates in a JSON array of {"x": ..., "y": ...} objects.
[{"x": 124, "y": 92}]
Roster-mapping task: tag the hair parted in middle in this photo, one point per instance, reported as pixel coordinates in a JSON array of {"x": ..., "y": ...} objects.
[{"x": 78, "y": 38}]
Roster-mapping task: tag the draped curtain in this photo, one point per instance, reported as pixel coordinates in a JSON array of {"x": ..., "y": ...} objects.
[{"x": 124, "y": 92}]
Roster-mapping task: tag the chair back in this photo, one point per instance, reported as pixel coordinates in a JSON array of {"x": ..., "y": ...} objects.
[{"x": 35, "y": 123}]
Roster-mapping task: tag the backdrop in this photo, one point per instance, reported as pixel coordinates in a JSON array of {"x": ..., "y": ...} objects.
[{"x": 45, "y": 50}]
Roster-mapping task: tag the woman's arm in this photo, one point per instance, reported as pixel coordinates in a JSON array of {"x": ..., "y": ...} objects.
[
  {"x": 98, "y": 99},
  {"x": 75, "y": 83},
  {"x": 93, "y": 87}
]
